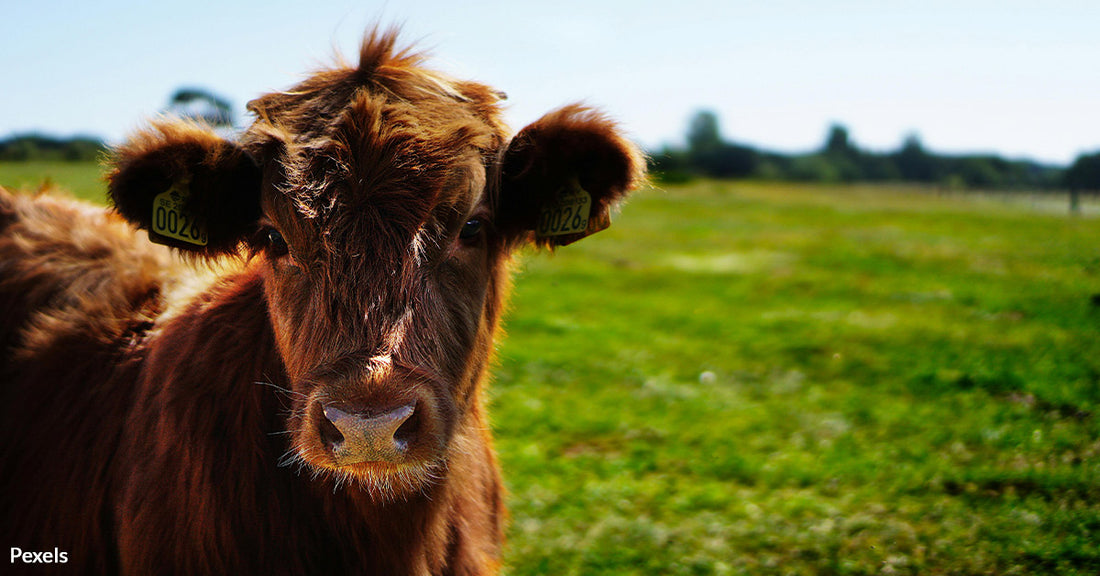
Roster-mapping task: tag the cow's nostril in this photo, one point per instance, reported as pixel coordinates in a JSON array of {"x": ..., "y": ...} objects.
[
  {"x": 405, "y": 434},
  {"x": 330, "y": 435},
  {"x": 380, "y": 437}
]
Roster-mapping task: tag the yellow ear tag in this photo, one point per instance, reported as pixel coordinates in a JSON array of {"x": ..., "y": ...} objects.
[
  {"x": 567, "y": 213},
  {"x": 171, "y": 219}
]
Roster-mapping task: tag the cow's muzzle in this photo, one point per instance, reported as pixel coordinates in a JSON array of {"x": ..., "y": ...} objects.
[{"x": 353, "y": 437}]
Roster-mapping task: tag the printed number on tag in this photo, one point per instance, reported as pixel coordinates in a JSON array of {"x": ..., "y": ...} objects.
[
  {"x": 170, "y": 219},
  {"x": 568, "y": 214}
]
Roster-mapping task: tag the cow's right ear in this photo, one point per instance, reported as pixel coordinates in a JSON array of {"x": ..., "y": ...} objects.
[{"x": 188, "y": 187}]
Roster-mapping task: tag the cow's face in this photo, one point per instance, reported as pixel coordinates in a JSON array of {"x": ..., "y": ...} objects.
[
  {"x": 380, "y": 205},
  {"x": 380, "y": 260}
]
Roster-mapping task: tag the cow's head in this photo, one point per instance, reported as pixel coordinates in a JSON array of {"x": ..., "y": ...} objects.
[{"x": 380, "y": 204}]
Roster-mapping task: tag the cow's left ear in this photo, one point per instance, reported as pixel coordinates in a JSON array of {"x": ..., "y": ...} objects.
[
  {"x": 561, "y": 176},
  {"x": 188, "y": 187}
]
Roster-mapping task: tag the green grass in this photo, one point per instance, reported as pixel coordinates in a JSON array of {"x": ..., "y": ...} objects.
[
  {"x": 772, "y": 379},
  {"x": 745, "y": 378},
  {"x": 82, "y": 179}
]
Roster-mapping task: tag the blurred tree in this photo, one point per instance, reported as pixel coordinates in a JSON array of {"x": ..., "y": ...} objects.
[
  {"x": 201, "y": 104},
  {"x": 980, "y": 172},
  {"x": 710, "y": 155},
  {"x": 845, "y": 160},
  {"x": 726, "y": 161},
  {"x": 773, "y": 166},
  {"x": 837, "y": 142},
  {"x": 703, "y": 134},
  {"x": 1084, "y": 173},
  {"x": 913, "y": 162},
  {"x": 813, "y": 168},
  {"x": 878, "y": 168}
]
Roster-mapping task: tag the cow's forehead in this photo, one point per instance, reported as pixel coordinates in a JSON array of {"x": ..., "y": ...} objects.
[
  {"x": 378, "y": 189},
  {"x": 376, "y": 158},
  {"x": 380, "y": 176},
  {"x": 393, "y": 83},
  {"x": 378, "y": 148}
]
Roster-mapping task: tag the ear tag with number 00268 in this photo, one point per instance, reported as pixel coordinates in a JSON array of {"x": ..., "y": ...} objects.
[{"x": 171, "y": 219}]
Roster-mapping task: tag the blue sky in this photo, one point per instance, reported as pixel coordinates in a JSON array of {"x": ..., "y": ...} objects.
[{"x": 1017, "y": 78}]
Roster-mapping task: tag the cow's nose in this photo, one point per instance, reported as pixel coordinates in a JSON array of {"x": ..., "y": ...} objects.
[{"x": 356, "y": 438}]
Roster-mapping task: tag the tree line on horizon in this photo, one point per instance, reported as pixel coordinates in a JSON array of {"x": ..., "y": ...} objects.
[
  {"x": 839, "y": 160},
  {"x": 186, "y": 102},
  {"x": 42, "y": 147},
  {"x": 707, "y": 154}
]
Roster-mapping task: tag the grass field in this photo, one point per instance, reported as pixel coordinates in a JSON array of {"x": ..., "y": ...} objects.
[
  {"x": 768, "y": 379},
  {"x": 746, "y": 378},
  {"x": 82, "y": 179}
]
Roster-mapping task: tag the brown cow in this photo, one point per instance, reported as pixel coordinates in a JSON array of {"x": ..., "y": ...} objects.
[{"x": 314, "y": 407}]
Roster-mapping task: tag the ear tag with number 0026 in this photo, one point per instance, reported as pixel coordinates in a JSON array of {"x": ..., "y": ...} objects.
[
  {"x": 567, "y": 213},
  {"x": 171, "y": 219}
]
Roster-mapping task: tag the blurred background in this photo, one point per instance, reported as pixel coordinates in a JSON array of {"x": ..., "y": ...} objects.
[
  {"x": 1013, "y": 78},
  {"x": 851, "y": 328}
]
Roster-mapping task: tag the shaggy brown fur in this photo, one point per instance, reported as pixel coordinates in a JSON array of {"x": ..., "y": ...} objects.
[{"x": 368, "y": 216}]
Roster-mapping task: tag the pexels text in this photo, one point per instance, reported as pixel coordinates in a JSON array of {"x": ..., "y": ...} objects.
[{"x": 19, "y": 556}]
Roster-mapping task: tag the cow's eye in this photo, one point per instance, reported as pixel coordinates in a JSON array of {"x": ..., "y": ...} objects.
[
  {"x": 471, "y": 228},
  {"x": 276, "y": 244}
]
